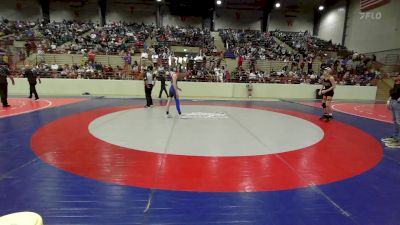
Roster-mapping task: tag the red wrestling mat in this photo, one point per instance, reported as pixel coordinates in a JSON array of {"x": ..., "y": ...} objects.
[
  {"x": 25, "y": 105},
  {"x": 68, "y": 145},
  {"x": 377, "y": 112}
]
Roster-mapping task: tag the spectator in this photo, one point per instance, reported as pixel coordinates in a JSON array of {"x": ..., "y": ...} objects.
[
  {"x": 249, "y": 87},
  {"x": 91, "y": 57}
]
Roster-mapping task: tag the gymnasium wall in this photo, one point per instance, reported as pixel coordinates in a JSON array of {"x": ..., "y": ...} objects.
[
  {"x": 74, "y": 11},
  {"x": 182, "y": 21},
  {"x": 20, "y": 9},
  {"x": 298, "y": 21},
  {"x": 125, "y": 10},
  {"x": 332, "y": 23},
  {"x": 129, "y": 88},
  {"x": 388, "y": 57},
  {"x": 238, "y": 19},
  {"x": 379, "y": 32}
]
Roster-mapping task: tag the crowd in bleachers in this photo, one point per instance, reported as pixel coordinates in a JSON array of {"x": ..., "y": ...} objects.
[
  {"x": 352, "y": 71},
  {"x": 120, "y": 37},
  {"x": 22, "y": 30},
  {"x": 307, "y": 44},
  {"x": 186, "y": 36},
  {"x": 355, "y": 69},
  {"x": 153, "y": 43},
  {"x": 253, "y": 44},
  {"x": 58, "y": 33},
  {"x": 81, "y": 71},
  {"x": 112, "y": 38}
]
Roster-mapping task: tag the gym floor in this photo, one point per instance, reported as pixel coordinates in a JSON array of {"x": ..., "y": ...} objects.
[{"x": 111, "y": 161}]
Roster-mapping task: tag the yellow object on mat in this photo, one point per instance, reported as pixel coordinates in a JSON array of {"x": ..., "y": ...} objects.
[{"x": 21, "y": 218}]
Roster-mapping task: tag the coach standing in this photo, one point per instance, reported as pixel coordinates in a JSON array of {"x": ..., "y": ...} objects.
[
  {"x": 32, "y": 76},
  {"x": 161, "y": 78},
  {"x": 4, "y": 73}
]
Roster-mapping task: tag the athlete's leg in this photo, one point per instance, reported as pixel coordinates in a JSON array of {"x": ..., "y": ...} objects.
[
  {"x": 178, "y": 105},
  {"x": 168, "y": 104},
  {"x": 170, "y": 96},
  {"x": 329, "y": 109},
  {"x": 324, "y": 107}
]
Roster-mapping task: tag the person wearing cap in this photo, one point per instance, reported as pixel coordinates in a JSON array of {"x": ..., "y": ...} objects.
[
  {"x": 393, "y": 104},
  {"x": 4, "y": 73},
  {"x": 327, "y": 92}
]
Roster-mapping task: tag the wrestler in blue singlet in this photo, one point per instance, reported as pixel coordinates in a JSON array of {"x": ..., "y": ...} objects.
[{"x": 173, "y": 92}]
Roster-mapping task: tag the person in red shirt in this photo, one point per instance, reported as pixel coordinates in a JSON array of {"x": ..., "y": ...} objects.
[
  {"x": 240, "y": 61},
  {"x": 91, "y": 57}
]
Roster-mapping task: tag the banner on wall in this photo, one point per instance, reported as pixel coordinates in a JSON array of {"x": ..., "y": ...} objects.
[
  {"x": 366, "y": 5},
  {"x": 76, "y": 13},
  {"x": 18, "y": 6},
  {"x": 237, "y": 14}
]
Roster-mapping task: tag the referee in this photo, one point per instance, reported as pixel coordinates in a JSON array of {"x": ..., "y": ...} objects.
[
  {"x": 4, "y": 73},
  {"x": 148, "y": 86}
]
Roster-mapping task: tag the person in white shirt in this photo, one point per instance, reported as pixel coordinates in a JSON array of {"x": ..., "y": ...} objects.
[
  {"x": 154, "y": 59},
  {"x": 54, "y": 67},
  {"x": 41, "y": 55},
  {"x": 249, "y": 87},
  {"x": 252, "y": 76},
  {"x": 261, "y": 76},
  {"x": 144, "y": 55}
]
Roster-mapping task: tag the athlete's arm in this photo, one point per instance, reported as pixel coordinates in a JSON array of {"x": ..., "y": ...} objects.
[
  {"x": 322, "y": 88},
  {"x": 388, "y": 103}
]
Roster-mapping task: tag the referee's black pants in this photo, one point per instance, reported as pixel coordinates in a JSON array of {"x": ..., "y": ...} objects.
[
  {"x": 3, "y": 94},
  {"x": 147, "y": 90}
]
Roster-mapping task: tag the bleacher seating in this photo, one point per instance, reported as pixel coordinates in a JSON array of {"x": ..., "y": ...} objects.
[{"x": 270, "y": 53}]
